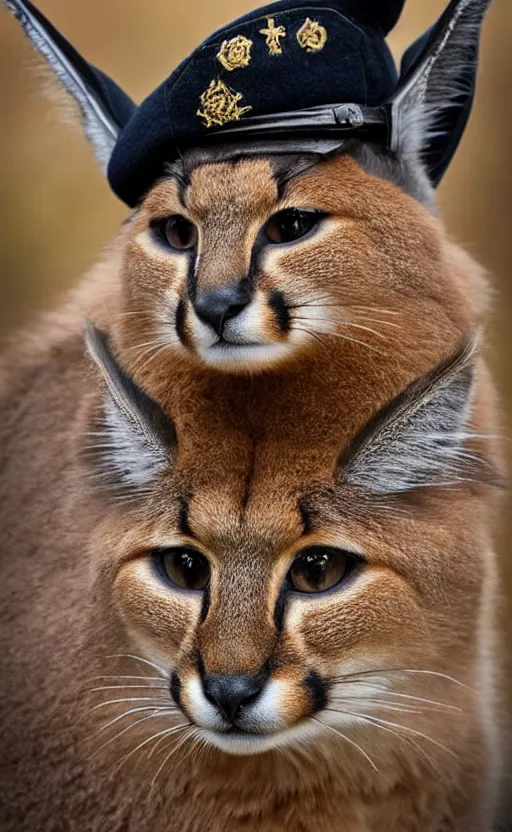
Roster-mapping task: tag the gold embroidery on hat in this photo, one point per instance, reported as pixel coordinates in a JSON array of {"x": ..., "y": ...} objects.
[
  {"x": 235, "y": 53},
  {"x": 311, "y": 35},
  {"x": 273, "y": 34},
  {"x": 219, "y": 104}
]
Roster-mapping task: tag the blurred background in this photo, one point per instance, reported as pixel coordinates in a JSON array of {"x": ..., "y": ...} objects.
[{"x": 58, "y": 211}]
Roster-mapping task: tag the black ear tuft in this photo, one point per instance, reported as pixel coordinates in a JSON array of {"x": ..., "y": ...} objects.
[
  {"x": 436, "y": 88},
  {"x": 104, "y": 106},
  {"x": 137, "y": 440},
  {"x": 385, "y": 13}
]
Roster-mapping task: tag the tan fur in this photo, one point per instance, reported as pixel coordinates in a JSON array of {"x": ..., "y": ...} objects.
[
  {"x": 78, "y": 590},
  {"x": 372, "y": 229}
]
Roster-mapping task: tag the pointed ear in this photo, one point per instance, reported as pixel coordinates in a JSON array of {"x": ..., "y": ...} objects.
[
  {"x": 384, "y": 13},
  {"x": 417, "y": 440},
  {"x": 435, "y": 92},
  {"x": 136, "y": 439},
  {"x": 105, "y": 108}
]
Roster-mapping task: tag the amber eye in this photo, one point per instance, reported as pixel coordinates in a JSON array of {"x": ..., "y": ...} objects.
[
  {"x": 183, "y": 567},
  {"x": 178, "y": 232},
  {"x": 320, "y": 568},
  {"x": 291, "y": 224}
]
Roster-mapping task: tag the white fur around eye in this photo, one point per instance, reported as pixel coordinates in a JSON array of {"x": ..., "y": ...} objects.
[{"x": 301, "y": 604}]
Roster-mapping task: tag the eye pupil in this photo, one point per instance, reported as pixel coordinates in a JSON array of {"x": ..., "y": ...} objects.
[
  {"x": 184, "y": 567},
  {"x": 175, "y": 231},
  {"x": 291, "y": 224},
  {"x": 319, "y": 569}
]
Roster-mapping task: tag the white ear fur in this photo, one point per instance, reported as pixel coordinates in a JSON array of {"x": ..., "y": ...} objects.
[
  {"x": 99, "y": 125},
  {"x": 445, "y": 73},
  {"x": 417, "y": 440},
  {"x": 137, "y": 440}
]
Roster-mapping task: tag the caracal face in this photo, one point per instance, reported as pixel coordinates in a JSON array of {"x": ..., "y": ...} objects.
[
  {"x": 284, "y": 576},
  {"x": 245, "y": 265}
]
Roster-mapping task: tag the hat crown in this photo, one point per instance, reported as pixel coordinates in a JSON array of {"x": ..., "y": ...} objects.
[
  {"x": 383, "y": 14},
  {"x": 309, "y": 61}
]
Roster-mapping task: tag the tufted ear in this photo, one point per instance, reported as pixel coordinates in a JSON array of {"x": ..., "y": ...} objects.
[
  {"x": 435, "y": 92},
  {"x": 136, "y": 439},
  {"x": 384, "y": 13},
  {"x": 417, "y": 440},
  {"x": 104, "y": 107}
]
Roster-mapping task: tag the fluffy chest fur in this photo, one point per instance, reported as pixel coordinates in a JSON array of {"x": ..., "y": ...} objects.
[{"x": 64, "y": 769}]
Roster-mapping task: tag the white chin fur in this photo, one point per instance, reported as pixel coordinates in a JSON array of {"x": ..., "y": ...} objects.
[
  {"x": 244, "y": 357},
  {"x": 242, "y": 745}
]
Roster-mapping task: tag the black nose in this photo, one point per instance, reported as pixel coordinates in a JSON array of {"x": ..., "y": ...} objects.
[
  {"x": 231, "y": 693},
  {"x": 214, "y": 308}
]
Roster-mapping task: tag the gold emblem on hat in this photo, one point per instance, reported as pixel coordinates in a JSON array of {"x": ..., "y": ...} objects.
[
  {"x": 235, "y": 53},
  {"x": 273, "y": 33},
  {"x": 311, "y": 35},
  {"x": 219, "y": 104}
]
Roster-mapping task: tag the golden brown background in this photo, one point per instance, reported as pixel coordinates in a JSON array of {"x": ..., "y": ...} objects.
[{"x": 58, "y": 210}]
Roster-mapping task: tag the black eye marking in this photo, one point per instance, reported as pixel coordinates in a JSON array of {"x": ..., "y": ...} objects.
[
  {"x": 180, "y": 322},
  {"x": 175, "y": 232},
  {"x": 320, "y": 568},
  {"x": 200, "y": 665},
  {"x": 175, "y": 689},
  {"x": 279, "y": 307},
  {"x": 205, "y": 606},
  {"x": 317, "y": 691},
  {"x": 183, "y": 525},
  {"x": 280, "y": 607},
  {"x": 182, "y": 567},
  {"x": 291, "y": 224},
  {"x": 305, "y": 515}
]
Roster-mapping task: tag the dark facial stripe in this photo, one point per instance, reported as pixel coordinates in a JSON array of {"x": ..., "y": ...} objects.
[
  {"x": 180, "y": 323},
  {"x": 200, "y": 666},
  {"x": 279, "y": 307},
  {"x": 205, "y": 606},
  {"x": 305, "y": 517},
  {"x": 317, "y": 691},
  {"x": 183, "y": 525},
  {"x": 280, "y": 607},
  {"x": 287, "y": 168},
  {"x": 181, "y": 176},
  {"x": 175, "y": 689}
]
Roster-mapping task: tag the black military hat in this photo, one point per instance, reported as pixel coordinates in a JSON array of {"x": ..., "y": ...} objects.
[{"x": 294, "y": 74}]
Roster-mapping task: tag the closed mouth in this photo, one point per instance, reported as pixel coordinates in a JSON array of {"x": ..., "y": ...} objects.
[
  {"x": 241, "y": 743},
  {"x": 237, "y": 353},
  {"x": 235, "y": 732},
  {"x": 222, "y": 343}
]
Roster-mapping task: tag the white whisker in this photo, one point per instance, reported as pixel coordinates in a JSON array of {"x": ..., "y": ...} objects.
[
  {"x": 124, "y": 730},
  {"x": 145, "y": 678},
  {"x": 153, "y": 708},
  {"x": 401, "y": 738},
  {"x": 173, "y": 751},
  {"x": 387, "y": 692},
  {"x": 403, "y": 728},
  {"x": 381, "y": 670},
  {"x": 337, "y": 335},
  {"x": 389, "y": 706},
  {"x": 129, "y": 687},
  {"x": 366, "y": 329},
  {"x": 159, "y": 670},
  {"x": 378, "y": 321},
  {"x": 129, "y": 699},
  {"x": 166, "y": 731},
  {"x": 351, "y": 742}
]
